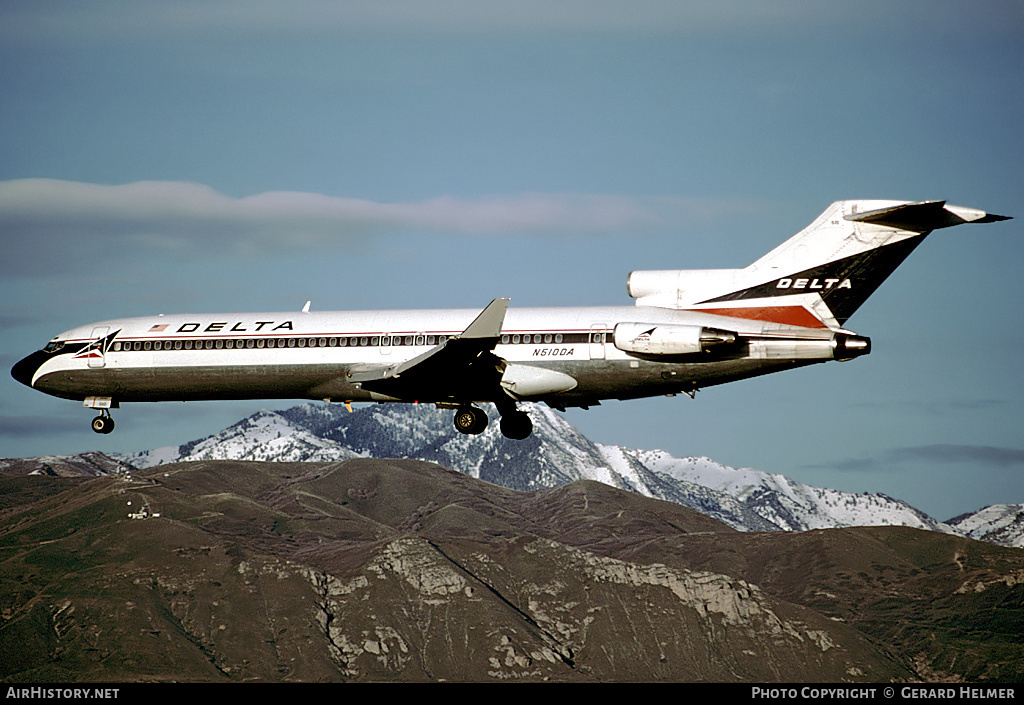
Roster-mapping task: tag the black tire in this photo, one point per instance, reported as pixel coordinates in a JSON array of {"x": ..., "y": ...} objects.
[
  {"x": 516, "y": 426},
  {"x": 103, "y": 424},
  {"x": 470, "y": 420}
]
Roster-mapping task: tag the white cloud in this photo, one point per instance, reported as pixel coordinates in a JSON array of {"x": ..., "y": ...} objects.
[{"x": 49, "y": 225}]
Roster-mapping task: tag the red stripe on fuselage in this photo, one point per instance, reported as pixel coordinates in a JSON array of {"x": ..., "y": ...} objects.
[{"x": 787, "y": 315}]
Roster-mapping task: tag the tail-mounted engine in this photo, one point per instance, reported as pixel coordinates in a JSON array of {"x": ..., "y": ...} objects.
[
  {"x": 658, "y": 339},
  {"x": 653, "y": 340}
]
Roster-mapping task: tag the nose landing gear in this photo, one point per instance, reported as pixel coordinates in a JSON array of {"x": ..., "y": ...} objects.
[{"x": 103, "y": 423}]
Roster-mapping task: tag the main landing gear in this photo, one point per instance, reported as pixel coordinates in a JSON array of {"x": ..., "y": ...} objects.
[
  {"x": 103, "y": 423},
  {"x": 514, "y": 424},
  {"x": 470, "y": 420}
]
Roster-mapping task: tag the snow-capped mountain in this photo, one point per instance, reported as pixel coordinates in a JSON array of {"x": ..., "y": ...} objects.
[
  {"x": 1001, "y": 524},
  {"x": 788, "y": 504},
  {"x": 266, "y": 435},
  {"x": 556, "y": 453}
]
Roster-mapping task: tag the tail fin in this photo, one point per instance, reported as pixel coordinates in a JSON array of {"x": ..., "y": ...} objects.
[{"x": 820, "y": 276}]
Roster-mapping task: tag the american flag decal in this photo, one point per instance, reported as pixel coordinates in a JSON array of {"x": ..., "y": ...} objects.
[{"x": 157, "y": 329}]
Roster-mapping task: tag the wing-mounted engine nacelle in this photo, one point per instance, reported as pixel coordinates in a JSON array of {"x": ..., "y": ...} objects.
[{"x": 669, "y": 339}]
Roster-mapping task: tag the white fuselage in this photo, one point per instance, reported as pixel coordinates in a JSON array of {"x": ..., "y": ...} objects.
[{"x": 311, "y": 355}]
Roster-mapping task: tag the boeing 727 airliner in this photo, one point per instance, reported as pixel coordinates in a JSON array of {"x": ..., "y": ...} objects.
[{"x": 688, "y": 329}]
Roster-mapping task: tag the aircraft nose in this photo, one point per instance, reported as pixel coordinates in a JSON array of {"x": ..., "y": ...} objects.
[{"x": 24, "y": 370}]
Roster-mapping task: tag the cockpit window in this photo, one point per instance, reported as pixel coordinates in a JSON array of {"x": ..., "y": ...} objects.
[{"x": 54, "y": 346}]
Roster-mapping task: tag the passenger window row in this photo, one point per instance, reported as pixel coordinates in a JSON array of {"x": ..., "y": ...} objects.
[
  {"x": 536, "y": 338},
  {"x": 249, "y": 343},
  {"x": 335, "y": 342}
]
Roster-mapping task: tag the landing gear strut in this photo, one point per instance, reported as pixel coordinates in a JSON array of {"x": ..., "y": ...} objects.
[{"x": 103, "y": 423}]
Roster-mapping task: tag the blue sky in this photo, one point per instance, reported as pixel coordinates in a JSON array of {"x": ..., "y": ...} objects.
[{"x": 226, "y": 156}]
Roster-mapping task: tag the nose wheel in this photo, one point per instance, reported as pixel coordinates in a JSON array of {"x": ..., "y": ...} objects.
[{"x": 103, "y": 423}]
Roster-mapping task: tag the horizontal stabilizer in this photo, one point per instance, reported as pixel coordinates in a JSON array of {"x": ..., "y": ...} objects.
[{"x": 925, "y": 216}]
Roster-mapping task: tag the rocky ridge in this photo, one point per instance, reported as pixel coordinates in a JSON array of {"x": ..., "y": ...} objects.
[
  {"x": 556, "y": 453},
  {"x": 401, "y": 570}
]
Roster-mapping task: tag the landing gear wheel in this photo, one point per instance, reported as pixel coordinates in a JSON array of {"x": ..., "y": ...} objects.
[
  {"x": 516, "y": 425},
  {"x": 470, "y": 419},
  {"x": 103, "y": 424}
]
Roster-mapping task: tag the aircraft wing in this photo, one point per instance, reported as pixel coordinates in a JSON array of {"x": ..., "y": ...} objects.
[{"x": 462, "y": 368}]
